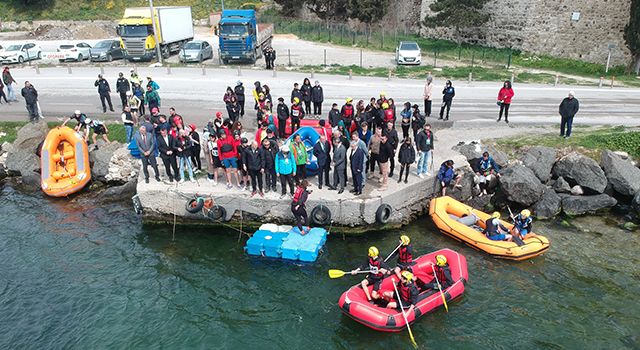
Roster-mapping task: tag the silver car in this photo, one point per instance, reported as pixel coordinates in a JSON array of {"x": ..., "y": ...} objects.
[
  {"x": 408, "y": 52},
  {"x": 196, "y": 51}
]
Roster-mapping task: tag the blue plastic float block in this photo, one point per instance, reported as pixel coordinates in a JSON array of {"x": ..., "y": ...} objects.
[
  {"x": 266, "y": 243},
  {"x": 303, "y": 248}
]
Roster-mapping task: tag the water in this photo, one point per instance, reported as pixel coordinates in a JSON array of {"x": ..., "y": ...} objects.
[{"x": 77, "y": 275}]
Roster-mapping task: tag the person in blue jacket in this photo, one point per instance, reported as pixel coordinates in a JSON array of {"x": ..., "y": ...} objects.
[
  {"x": 286, "y": 169},
  {"x": 487, "y": 170},
  {"x": 522, "y": 223},
  {"x": 446, "y": 175}
]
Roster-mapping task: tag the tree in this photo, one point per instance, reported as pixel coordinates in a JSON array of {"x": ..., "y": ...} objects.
[
  {"x": 457, "y": 14},
  {"x": 367, "y": 11},
  {"x": 328, "y": 9},
  {"x": 632, "y": 34},
  {"x": 290, "y": 7}
]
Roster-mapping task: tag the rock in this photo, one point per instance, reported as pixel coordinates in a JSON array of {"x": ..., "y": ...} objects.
[
  {"x": 580, "y": 170},
  {"x": 480, "y": 203},
  {"x": 561, "y": 186},
  {"x": 22, "y": 158},
  {"x": 540, "y": 159},
  {"x": 521, "y": 185},
  {"x": 6, "y": 147},
  {"x": 30, "y": 182},
  {"x": 578, "y": 205},
  {"x": 472, "y": 151},
  {"x": 3, "y": 173},
  {"x": 498, "y": 156},
  {"x": 120, "y": 193},
  {"x": 576, "y": 190},
  {"x": 123, "y": 168},
  {"x": 101, "y": 158},
  {"x": 622, "y": 175},
  {"x": 466, "y": 192},
  {"x": 622, "y": 154},
  {"x": 548, "y": 206},
  {"x": 636, "y": 202}
]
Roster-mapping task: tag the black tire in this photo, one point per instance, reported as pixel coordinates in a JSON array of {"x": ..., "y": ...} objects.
[
  {"x": 39, "y": 55},
  {"x": 20, "y": 59},
  {"x": 383, "y": 214},
  {"x": 225, "y": 61},
  {"x": 320, "y": 215},
  {"x": 195, "y": 205},
  {"x": 217, "y": 213},
  {"x": 80, "y": 58},
  {"x": 200, "y": 58},
  {"x": 109, "y": 57},
  {"x": 165, "y": 52}
]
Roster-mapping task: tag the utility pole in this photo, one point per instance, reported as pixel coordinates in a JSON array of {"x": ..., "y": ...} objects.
[
  {"x": 222, "y": 3},
  {"x": 155, "y": 32},
  {"x": 610, "y": 47}
]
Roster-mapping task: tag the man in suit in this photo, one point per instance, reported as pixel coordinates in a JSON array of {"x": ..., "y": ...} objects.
[
  {"x": 146, "y": 145},
  {"x": 339, "y": 166},
  {"x": 167, "y": 154},
  {"x": 321, "y": 151},
  {"x": 356, "y": 158}
]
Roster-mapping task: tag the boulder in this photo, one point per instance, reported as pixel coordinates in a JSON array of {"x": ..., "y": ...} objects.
[
  {"x": 498, "y": 156},
  {"x": 472, "y": 151},
  {"x": 636, "y": 202},
  {"x": 480, "y": 203},
  {"x": 548, "y": 206},
  {"x": 540, "y": 160},
  {"x": 580, "y": 170},
  {"x": 561, "y": 185},
  {"x": 578, "y": 205},
  {"x": 576, "y": 190},
  {"x": 100, "y": 159},
  {"x": 22, "y": 158},
  {"x": 123, "y": 168},
  {"x": 521, "y": 185},
  {"x": 466, "y": 192},
  {"x": 622, "y": 175},
  {"x": 119, "y": 193}
]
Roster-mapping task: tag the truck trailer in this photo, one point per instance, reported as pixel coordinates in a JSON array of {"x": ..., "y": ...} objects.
[{"x": 241, "y": 38}]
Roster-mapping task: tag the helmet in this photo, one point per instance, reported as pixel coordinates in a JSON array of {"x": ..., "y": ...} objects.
[
  {"x": 495, "y": 215},
  {"x": 296, "y": 100},
  {"x": 407, "y": 275},
  {"x": 77, "y": 112},
  {"x": 218, "y": 114},
  {"x": 525, "y": 213},
  {"x": 373, "y": 252},
  {"x": 261, "y": 94},
  {"x": 349, "y": 99},
  {"x": 405, "y": 240},
  {"x": 87, "y": 121},
  {"x": 382, "y": 93},
  {"x": 385, "y": 105},
  {"x": 441, "y": 260}
]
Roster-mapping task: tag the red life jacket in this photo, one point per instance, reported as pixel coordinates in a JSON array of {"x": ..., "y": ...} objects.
[
  {"x": 348, "y": 111},
  {"x": 404, "y": 256},
  {"x": 297, "y": 194},
  {"x": 388, "y": 115},
  {"x": 375, "y": 264},
  {"x": 296, "y": 111},
  {"x": 441, "y": 276},
  {"x": 405, "y": 293}
]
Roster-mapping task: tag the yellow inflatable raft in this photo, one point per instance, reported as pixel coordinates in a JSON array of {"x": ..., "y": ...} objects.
[
  {"x": 440, "y": 210},
  {"x": 65, "y": 162}
]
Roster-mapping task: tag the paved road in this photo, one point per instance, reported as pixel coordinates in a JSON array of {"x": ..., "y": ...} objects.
[{"x": 197, "y": 97}]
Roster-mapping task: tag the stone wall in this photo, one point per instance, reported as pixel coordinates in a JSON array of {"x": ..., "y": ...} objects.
[{"x": 546, "y": 27}]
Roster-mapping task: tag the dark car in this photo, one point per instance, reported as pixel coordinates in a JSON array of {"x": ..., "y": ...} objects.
[{"x": 106, "y": 50}]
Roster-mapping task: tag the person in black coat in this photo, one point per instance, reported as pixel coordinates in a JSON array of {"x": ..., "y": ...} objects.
[
  {"x": 268, "y": 153},
  {"x": 322, "y": 152},
  {"x": 317, "y": 97},
  {"x": 406, "y": 157},
  {"x": 122, "y": 86},
  {"x": 252, "y": 164},
  {"x": 104, "y": 90},
  {"x": 195, "y": 149},
  {"x": 283, "y": 116},
  {"x": 334, "y": 116},
  {"x": 447, "y": 98},
  {"x": 165, "y": 144},
  {"x": 392, "y": 136},
  {"x": 356, "y": 160},
  {"x": 568, "y": 109},
  {"x": 305, "y": 89},
  {"x": 239, "y": 91},
  {"x": 30, "y": 95},
  {"x": 296, "y": 92}
]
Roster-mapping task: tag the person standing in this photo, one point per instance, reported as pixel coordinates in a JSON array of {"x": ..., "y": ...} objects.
[
  {"x": 428, "y": 95},
  {"x": 213, "y": 157},
  {"x": 252, "y": 164},
  {"x": 239, "y": 91},
  {"x": 152, "y": 83},
  {"x": 196, "y": 161},
  {"x": 406, "y": 157},
  {"x": 133, "y": 102},
  {"x": 568, "y": 109},
  {"x": 392, "y": 137},
  {"x": 2, "y": 95},
  {"x": 283, "y": 116},
  {"x": 305, "y": 89},
  {"x": 152, "y": 99},
  {"x": 165, "y": 144},
  {"x": 8, "y": 80},
  {"x": 384, "y": 156},
  {"x": 134, "y": 78},
  {"x": 357, "y": 158},
  {"x": 417, "y": 120},
  {"x": 298, "y": 208},
  {"x": 30, "y": 95},
  {"x": 405, "y": 121},
  {"x": 299, "y": 150},
  {"x": 268, "y": 153},
  {"x": 104, "y": 90},
  {"x": 321, "y": 151},
  {"x": 424, "y": 143},
  {"x": 447, "y": 98},
  {"x": 504, "y": 100},
  {"x": 228, "y": 99},
  {"x": 146, "y": 145},
  {"x": 139, "y": 94},
  {"x": 128, "y": 120},
  {"x": 183, "y": 146},
  {"x": 317, "y": 97},
  {"x": 374, "y": 150},
  {"x": 339, "y": 165},
  {"x": 122, "y": 86},
  {"x": 297, "y": 113},
  {"x": 286, "y": 169}
]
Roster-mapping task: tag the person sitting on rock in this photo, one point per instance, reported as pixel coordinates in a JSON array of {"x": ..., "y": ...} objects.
[
  {"x": 495, "y": 230},
  {"x": 446, "y": 175},
  {"x": 522, "y": 223},
  {"x": 487, "y": 169}
]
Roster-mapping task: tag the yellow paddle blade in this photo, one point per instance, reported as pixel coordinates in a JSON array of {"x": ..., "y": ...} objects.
[
  {"x": 444, "y": 300},
  {"x": 413, "y": 341},
  {"x": 336, "y": 273}
]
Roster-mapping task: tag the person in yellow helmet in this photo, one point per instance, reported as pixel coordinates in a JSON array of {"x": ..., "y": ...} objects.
[
  {"x": 297, "y": 113},
  {"x": 408, "y": 293},
  {"x": 378, "y": 269},
  {"x": 495, "y": 230},
  {"x": 405, "y": 255},
  {"x": 522, "y": 224},
  {"x": 443, "y": 274}
]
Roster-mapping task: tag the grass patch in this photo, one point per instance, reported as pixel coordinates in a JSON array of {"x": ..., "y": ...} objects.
[
  {"x": 589, "y": 141},
  {"x": 116, "y": 131}
]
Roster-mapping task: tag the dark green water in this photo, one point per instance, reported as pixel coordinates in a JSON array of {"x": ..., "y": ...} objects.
[{"x": 93, "y": 277}]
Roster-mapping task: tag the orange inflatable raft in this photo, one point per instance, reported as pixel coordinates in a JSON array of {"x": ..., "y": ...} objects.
[
  {"x": 64, "y": 162},
  {"x": 443, "y": 208}
]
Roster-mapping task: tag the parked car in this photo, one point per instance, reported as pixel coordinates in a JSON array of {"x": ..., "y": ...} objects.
[
  {"x": 75, "y": 52},
  {"x": 107, "y": 50},
  {"x": 20, "y": 53},
  {"x": 196, "y": 51},
  {"x": 408, "y": 52}
]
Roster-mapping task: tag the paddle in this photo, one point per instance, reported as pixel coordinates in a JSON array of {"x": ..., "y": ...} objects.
[
  {"x": 339, "y": 273},
  {"x": 413, "y": 340},
  {"x": 393, "y": 252},
  {"x": 444, "y": 300},
  {"x": 516, "y": 239}
]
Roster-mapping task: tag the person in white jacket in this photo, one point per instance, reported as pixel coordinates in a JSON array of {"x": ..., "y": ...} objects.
[{"x": 428, "y": 89}]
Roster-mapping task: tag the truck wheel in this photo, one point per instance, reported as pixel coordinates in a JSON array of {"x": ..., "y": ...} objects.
[
  {"x": 165, "y": 52},
  {"x": 225, "y": 61},
  {"x": 254, "y": 56}
]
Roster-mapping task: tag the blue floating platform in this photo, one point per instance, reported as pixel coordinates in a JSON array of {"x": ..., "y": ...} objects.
[{"x": 285, "y": 242}]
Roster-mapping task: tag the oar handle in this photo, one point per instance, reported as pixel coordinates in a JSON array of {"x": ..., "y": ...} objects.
[{"x": 393, "y": 252}]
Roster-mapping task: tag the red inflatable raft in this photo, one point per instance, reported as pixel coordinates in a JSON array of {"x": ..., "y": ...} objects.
[{"x": 354, "y": 303}]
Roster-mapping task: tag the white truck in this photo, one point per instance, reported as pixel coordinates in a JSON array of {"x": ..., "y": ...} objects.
[{"x": 136, "y": 31}]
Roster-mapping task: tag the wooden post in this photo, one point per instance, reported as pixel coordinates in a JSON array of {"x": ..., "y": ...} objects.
[
  {"x": 389, "y": 76},
  {"x": 325, "y": 57},
  {"x": 600, "y": 82},
  {"x": 69, "y": 69},
  {"x": 239, "y": 71},
  {"x": 204, "y": 70},
  {"x": 470, "y": 78},
  {"x": 557, "y": 79},
  {"x": 350, "y": 74},
  {"x": 37, "y": 69},
  {"x": 513, "y": 77},
  {"x": 168, "y": 70},
  {"x": 312, "y": 72},
  {"x": 101, "y": 69},
  {"x": 274, "y": 71},
  {"x": 613, "y": 80}
]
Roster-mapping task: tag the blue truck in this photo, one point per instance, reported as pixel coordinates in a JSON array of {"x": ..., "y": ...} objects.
[{"x": 241, "y": 37}]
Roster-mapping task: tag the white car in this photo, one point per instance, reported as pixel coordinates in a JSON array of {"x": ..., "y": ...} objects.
[
  {"x": 20, "y": 53},
  {"x": 408, "y": 52},
  {"x": 74, "y": 52}
]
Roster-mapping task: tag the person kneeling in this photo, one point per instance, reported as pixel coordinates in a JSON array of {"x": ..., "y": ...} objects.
[
  {"x": 495, "y": 231},
  {"x": 522, "y": 224},
  {"x": 408, "y": 293},
  {"x": 378, "y": 269}
]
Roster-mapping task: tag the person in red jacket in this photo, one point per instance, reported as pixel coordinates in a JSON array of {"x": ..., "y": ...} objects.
[
  {"x": 504, "y": 100},
  {"x": 228, "y": 151}
]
